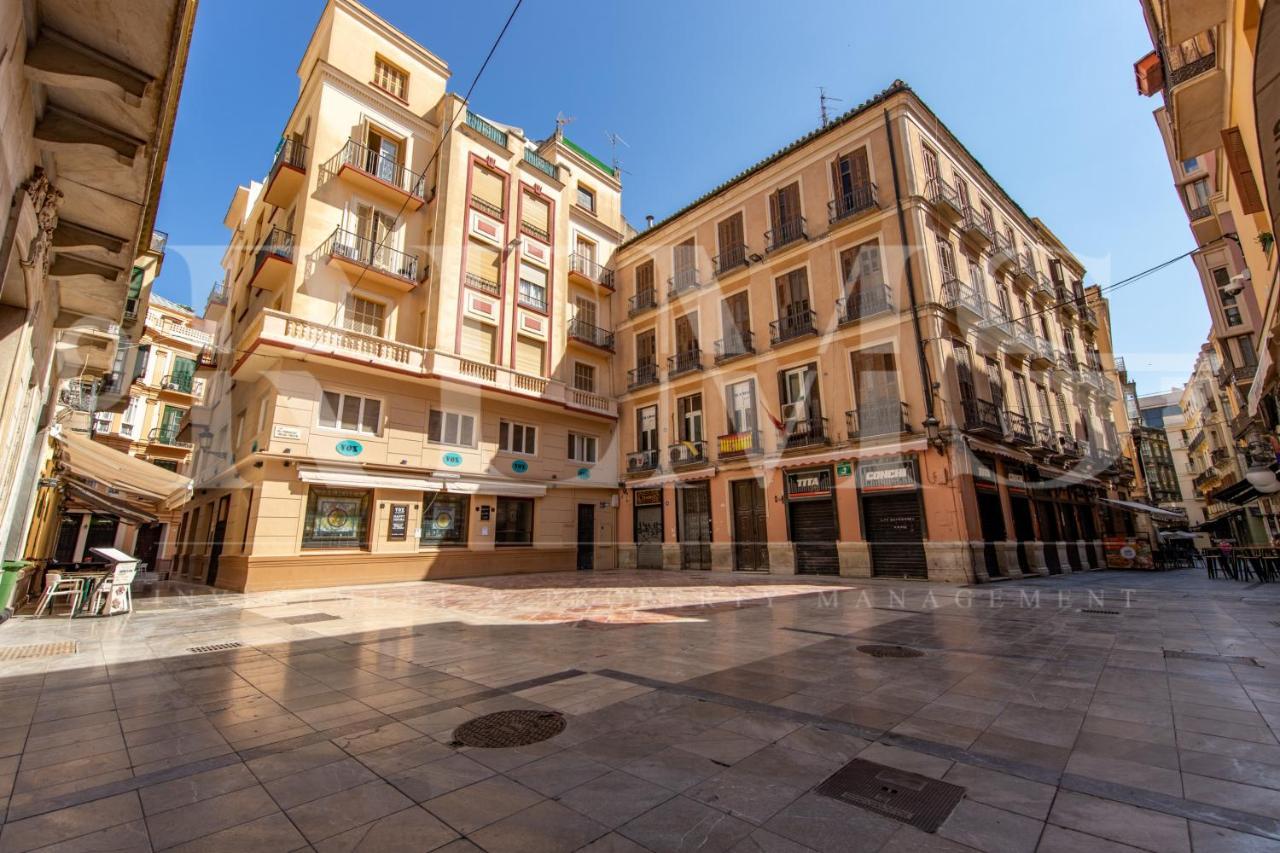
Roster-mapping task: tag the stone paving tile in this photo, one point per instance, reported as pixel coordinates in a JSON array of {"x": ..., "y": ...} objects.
[
  {"x": 328, "y": 816},
  {"x": 275, "y": 832},
  {"x": 681, "y": 824},
  {"x": 192, "y": 789},
  {"x": 977, "y": 825},
  {"x": 476, "y": 806},
  {"x": 440, "y": 777},
  {"x": 547, "y": 827},
  {"x": 69, "y": 823},
  {"x": 308, "y": 785},
  {"x": 1120, "y": 822},
  {"x": 1217, "y": 839},
  {"x": 1003, "y": 791},
  {"x": 413, "y": 830},
  {"x": 1056, "y": 839},
  {"x": 176, "y": 826},
  {"x": 826, "y": 825}
]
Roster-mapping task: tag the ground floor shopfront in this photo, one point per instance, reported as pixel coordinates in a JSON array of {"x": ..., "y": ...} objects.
[
  {"x": 955, "y": 516},
  {"x": 295, "y": 524}
]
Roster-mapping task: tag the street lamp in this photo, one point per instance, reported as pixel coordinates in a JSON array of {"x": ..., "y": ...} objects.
[{"x": 1260, "y": 474}]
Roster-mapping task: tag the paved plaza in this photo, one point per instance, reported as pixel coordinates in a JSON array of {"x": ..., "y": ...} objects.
[{"x": 1104, "y": 711}]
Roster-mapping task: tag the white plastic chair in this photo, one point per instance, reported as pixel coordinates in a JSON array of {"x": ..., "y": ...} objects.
[
  {"x": 56, "y": 586},
  {"x": 119, "y": 584}
]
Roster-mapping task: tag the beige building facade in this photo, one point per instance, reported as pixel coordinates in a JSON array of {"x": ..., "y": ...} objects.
[
  {"x": 861, "y": 356},
  {"x": 410, "y": 376}
]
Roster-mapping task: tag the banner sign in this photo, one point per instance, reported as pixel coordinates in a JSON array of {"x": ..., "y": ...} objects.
[
  {"x": 887, "y": 474},
  {"x": 809, "y": 484},
  {"x": 648, "y": 497}
]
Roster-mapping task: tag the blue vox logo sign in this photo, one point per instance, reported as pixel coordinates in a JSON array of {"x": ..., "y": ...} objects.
[{"x": 350, "y": 447}]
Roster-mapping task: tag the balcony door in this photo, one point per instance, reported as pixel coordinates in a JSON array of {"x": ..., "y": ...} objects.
[
  {"x": 646, "y": 351},
  {"x": 851, "y": 177},
  {"x": 584, "y": 311},
  {"x": 170, "y": 420},
  {"x": 586, "y": 249},
  {"x": 689, "y": 415},
  {"x": 801, "y": 407},
  {"x": 731, "y": 239},
  {"x": 862, "y": 277},
  {"x": 647, "y": 429},
  {"x": 995, "y": 384},
  {"x": 374, "y": 230},
  {"x": 385, "y": 155},
  {"x": 964, "y": 375},
  {"x": 687, "y": 335},
  {"x": 735, "y": 313},
  {"x": 784, "y": 210},
  {"x": 875, "y": 391},
  {"x": 793, "y": 296},
  {"x": 741, "y": 406}
]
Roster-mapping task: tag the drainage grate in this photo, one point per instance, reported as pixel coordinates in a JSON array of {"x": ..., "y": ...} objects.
[
  {"x": 307, "y": 618},
  {"x": 877, "y": 651},
  {"x": 908, "y": 797},
  {"x": 216, "y": 647},
  {"x": 509, "y": 728},
  {"x": 39, "y": 650},
  {"x": 1208, "y": 658},
  {"x": 1100, "y": 612}
]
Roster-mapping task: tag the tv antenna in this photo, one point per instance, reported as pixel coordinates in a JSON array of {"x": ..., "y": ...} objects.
[
  {"x": 562, "y": 121},
  {"x": 614, "y": 141},
  {"x": 823, "y": 100}
]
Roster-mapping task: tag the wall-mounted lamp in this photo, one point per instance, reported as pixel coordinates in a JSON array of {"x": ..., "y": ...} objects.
[{"x": 933, "y": 434}]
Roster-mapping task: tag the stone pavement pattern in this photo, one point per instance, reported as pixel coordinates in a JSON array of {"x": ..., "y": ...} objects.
[{"x": 703, "y": 709}]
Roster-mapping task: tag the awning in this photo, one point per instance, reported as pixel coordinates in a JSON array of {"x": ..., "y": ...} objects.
[
  {"x": 1154, "y": 511},
  {"x": 107, "y": 505},
  {"x": 353, "y": 478},
  {"x": 999, "y": 450},
  {"x": 852, "y": 453},
  {"x": 116, "y": 483},
  {"x": 1240, "y": 493}
]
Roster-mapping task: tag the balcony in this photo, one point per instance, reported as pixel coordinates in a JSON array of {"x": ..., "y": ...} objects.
[
  {"x": 542, "y": 164},
  {"x": 485, "y": 130},
  {"x": 877, "y": 419},
  {"x": 537, "y": 232},
  {"x": 977, "y": 229},
  {"x": 945, "y": 200},
  {"x": 159, "y": 242},
  {"x": 793, "y": 325},
  {"x": 1021, "y": 340},
  {"x": 644, "y": 300},
  {"x": 80, "y": 397},
  {"x": 642, "y": 461},
  {"x": 785, "y": 233},
  {"x": 963, "y": 300},
  {"x": 273, "y": 262},
  {"x": 182, "y": 383},
  {"x": 1202, "y": 480},
  {"x": 586, "y": 270},
  {"x": 1044, "y": 439},
  {"x": 1220, "y": 455},
  {"x": 864, "y": 304},
  {"x": 1066, "y": 299},
  {"x": 682, "y": 282},
  {"x": 737, "y": 345},
  {"x": 581, "y": 330},
  {"x": 804, "y": 432},
  {"x": 1003, "y": 254},
  {"x": 1069, "y": 446},
  {"x": 848, "y": 206},
  {"x": 1088, "y": 316},
  {"x": 1025, "y": 273},
  {"x": 219, "y": 294},
  {"x": 1204, "y": 211},
  {"x": 373, "y": 173},
  {"x": 1043, "y": 288},
  {"x": 687, "y": 454},
  {"x": 738, "y": 445},
  {"x": 730, "y": 259},
  {"x": 167, "y": 437},
  {"x": 288, "y": 173},
  {"x": 686, "y": 361},
  {"x": 1043, "y": 355},
  {"x": 533, "y": 298},
  {"x": 1019, "y": 428},
  {"x": 981, "y": 416},
  {"x": 482, "y": 284},
  {"x": 642, "y": 376},
  {"x": 371, "y": 261}
]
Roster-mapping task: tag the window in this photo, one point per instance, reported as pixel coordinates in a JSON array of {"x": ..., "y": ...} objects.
[
  {"x": 514, "y": 524},
  {"x": 586, "y": 198},
  {"x": 517, "y": 438},
  {"x": 647, "y": 428},
  {"x": 533, "y": 288},
  {"x": 390, "y": 78},
  {"x": 584, "y": 377},
  {"x": 582, "y": 448},
  {"x": 861, "y": 270},
  {"x": 644, "y": 278},
  {"x": 364, "y": 316},
  {"x": 1198, "y": 196},
  {"x": 1190, "y": 165},
  {"x": 483, "y": 267},
  {"x": 1233, "y": 316},
  {"x": 487, "y": 191},
  {"x": 535, "y": 217},
  {"x": 529, "y": 355},
  {"x": 444, "y": 518},
  {"x": 451, "y": 428},
  {"x": 689, "y": 417},
  {"x": 740, "y": 401},
  {"x": 349, "y": 412},
  {"x": 336, "y": 518}
]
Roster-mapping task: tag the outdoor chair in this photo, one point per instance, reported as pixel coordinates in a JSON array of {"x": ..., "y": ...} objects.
[{"x": 56, "y": 586}]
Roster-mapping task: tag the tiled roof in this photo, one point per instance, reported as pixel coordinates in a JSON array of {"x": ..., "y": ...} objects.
[{"x": 156, "y": 299}]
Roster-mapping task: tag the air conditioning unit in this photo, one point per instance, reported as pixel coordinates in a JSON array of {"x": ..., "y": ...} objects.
[{"x": 794, "y": 411}]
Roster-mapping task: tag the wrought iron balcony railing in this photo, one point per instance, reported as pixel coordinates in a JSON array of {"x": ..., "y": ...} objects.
[
  {"x": 479, "y": 282},
  {"x": 289, "y": 152},
  {"x": 687, "y": 452},
  {"x": 1019, "y": 427},
  {"x": 877, "y": 419},
  {"x": 944, "y": 198},
  {"x": 1003, "y": 253},
  {"x": 977, "y": 226},
  {"x": 804, "y": 432},
  {"x": 735, "y": 345},
  {"x": 958, "y": 295},
  {"x": 373, "y": 162},
  {"x": 682, "y": 281},
  {"x": 859, "y": 200},
  {"x": 730, "y": 259},
  {"x": 278, "y": 244},
  {"x": 685, "y": 361},
  {"x": 366, "y": 252},
  {"x": 167, "y": 436},
  {"x": 644, "y": 300},
  {"x": 982, "y": 416},
  {"x": 588, "y": 268},
  {"x": 785, "y": 233},
  {"x": 864, "y": 303},
  {"x": 592, "y": 334},
  {"x": 485, "y": 129},
  {"x": 642, "y": 375},
  {"x": 641, "y": 461},
  {"x": 542, "y": 164},
  {"x": 181, "y": 382},
  {"x": 793, "y": 325}
]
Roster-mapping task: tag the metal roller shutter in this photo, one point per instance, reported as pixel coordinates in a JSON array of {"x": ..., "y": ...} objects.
[
  {"x": 895, "y": 535},
  {"x": 813, "y": 532}
]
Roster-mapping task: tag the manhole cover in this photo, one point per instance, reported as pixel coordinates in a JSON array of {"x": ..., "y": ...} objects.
[
  {"x": 877, "y": 651},
  {"x": 908, "y": 797},
  {"x": 307, "y": 618},
  {"x": 215, "y": 647},
  {"x": 509, "y": 728},
  {"x": 39, "y": 650}
]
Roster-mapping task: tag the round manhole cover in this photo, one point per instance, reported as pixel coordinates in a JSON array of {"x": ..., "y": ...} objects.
[
  {"x": 509, "y": 728},
  {"x": 890, "y": 651}
]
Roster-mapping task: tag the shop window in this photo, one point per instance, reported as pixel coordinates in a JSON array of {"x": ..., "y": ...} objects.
[
  {"x": 451, "y": 428},
  {"x": 444, "y": 518},
  {"x": 336, "y": 518},
  {"x": 515, "y": 521}
]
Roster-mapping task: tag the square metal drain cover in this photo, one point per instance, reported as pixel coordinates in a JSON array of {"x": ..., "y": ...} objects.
[
  {"x": 904, "y": 796},
  {"x": 39, "y": 650},
  {"x": 307, "y": 618},
  {"x": 216, "y": 647}
]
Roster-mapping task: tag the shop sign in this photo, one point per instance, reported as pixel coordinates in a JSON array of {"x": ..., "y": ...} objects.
[
  {"x": 1016, "y": 481},
  {"x": 350, "y": 447},
  {"x": 398, "y": 529},
  {"x": 584, "y": 473},
  {"x": 485, "y": 512},
  {"x": 844, "y": 469},
  {"x": 1128, "y": 553},
  {"x": 887, "y": 474},
  {"x": 453, "y": 460},
  {"x": 648, "y": 497},
  {"x": 809, "y": 484},
  {"x": 286, "y": 432},
  {"x": 519, "y": 466}
]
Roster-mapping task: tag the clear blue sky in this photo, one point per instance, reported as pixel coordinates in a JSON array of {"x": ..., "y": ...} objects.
[{"x": 1042, "y": 93}]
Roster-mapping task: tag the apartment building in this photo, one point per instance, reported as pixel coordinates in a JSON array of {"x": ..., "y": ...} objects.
[
  {"x": 410, "y": 376},
  {"x": 1176, "y": 488},
  {"x": 87, "y": 104},
  {"x": 861, "y": 356}
]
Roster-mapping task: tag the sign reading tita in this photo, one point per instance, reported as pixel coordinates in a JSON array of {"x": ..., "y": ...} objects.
[
  {"x": 887, "y": 474},
  {"x": 809, "y": 484}
]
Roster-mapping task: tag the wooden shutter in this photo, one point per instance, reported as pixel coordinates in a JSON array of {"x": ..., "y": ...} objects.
[
  {"x": 482, "y": 261},
  {"x": 477, "y": 341},
  {"x": 529, "y": 355},
  {"x": 1241, "y": 170},
  {"x": 644, "y": 277},
  {"x": 537, "y": 212},
  {"x": 729, "y": 232},
  {"x": 686, "y": 333},
  {"x": 487, "y": 187}
]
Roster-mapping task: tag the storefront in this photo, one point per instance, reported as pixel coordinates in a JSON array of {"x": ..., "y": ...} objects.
[
  {"x": 889, "y": 502},
  {"x": 990, "y": 513},
  {"x": 811, "y": 520},
  {"x": 648, "y": 527},
  {"x": 1024, "y": 528}
]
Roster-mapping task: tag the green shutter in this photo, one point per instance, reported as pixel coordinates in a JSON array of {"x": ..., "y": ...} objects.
[{"x": 135, "y": 282}]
